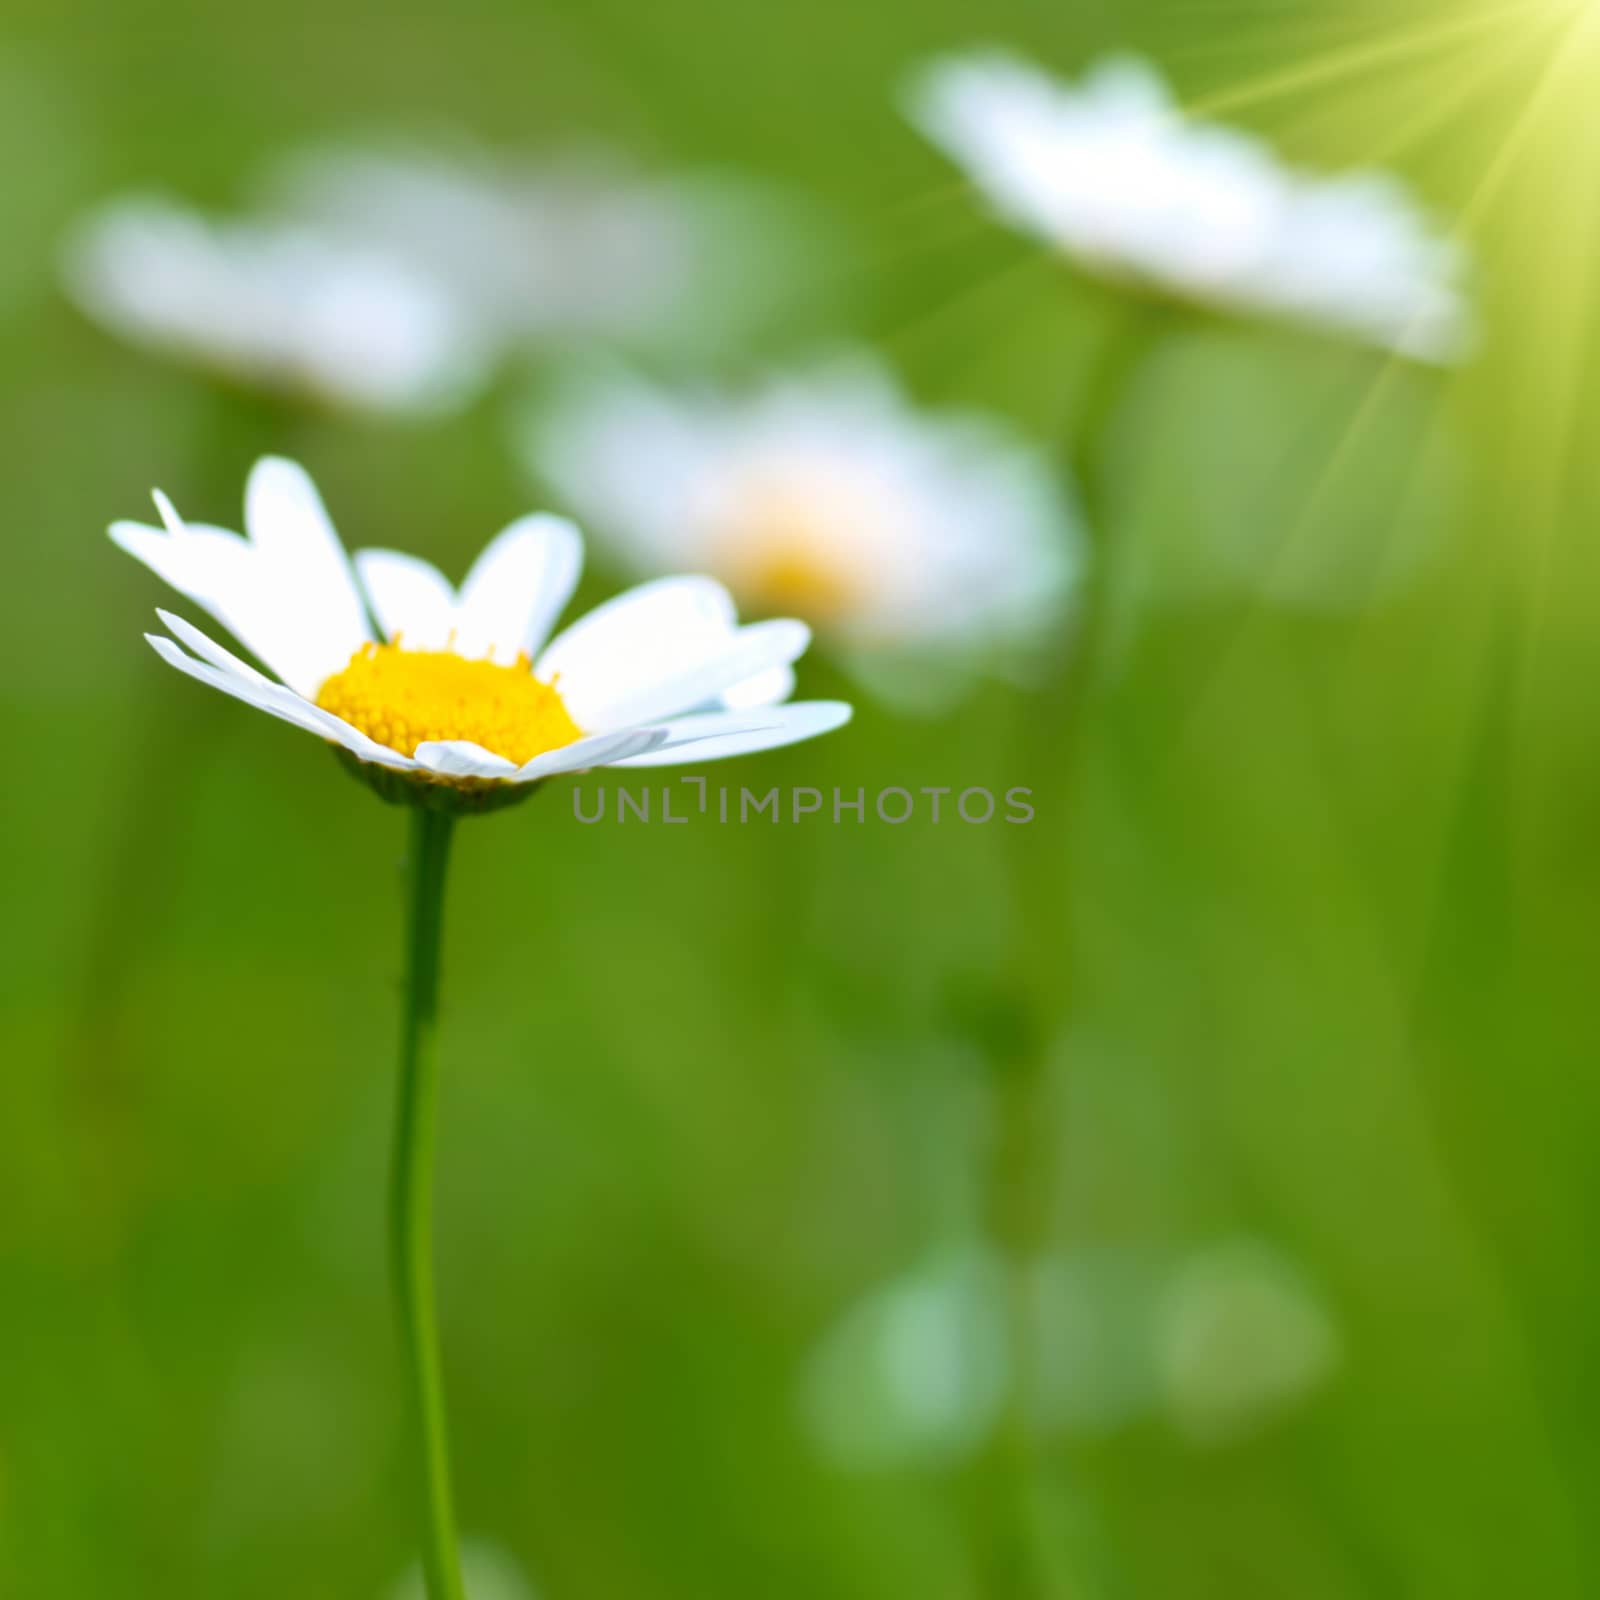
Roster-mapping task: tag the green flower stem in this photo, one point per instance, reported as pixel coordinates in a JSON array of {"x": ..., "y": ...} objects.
[
  {"x": 1019, "y": 1166},
  {"x": 411, "y": 1216},
  {"x": 1041, "y": 993}
]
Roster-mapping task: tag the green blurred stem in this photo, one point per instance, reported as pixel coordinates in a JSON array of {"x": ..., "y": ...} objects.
[
  {"x": 411, "y": 1216},
  {"x": 1021, "y": 1158},
  {"x": 1019, "y": 1170},
  {"x": 1134, "y": 326}
]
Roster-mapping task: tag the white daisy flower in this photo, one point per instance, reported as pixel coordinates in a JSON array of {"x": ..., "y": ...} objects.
[
  {"x": 920, "y": 1367},
  {"x": 280, "y": 306},
  {"x": 530, "y": 251},
  {"x": 575, "y": 247},
  {"x": 825, "y": 494},
  {"x": 1114, "y": 175},
  {"x": 917, "y": 1369},
  {"x": 1243, "y": 1337},
  {"x": 459, "y": 691}
]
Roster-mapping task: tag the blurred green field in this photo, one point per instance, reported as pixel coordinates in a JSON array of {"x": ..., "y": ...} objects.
[{"x": 709, "y": 1088}]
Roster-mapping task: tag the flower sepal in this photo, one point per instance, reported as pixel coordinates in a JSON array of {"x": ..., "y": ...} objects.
[{"x": 454, "y": 797}]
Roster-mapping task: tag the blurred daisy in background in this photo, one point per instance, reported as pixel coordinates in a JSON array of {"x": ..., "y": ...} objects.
[
  {"x": 1112, "y": 174},
  {"x": 460, "y": 689},
  {"x": 922, "y": 545},
  {"x": 1242, "y": 1337},
  {"x": 279, "y": 306},
  {"x": 913, "y": 1371},
  {"x": 577, "y": 246},
  {"x": 918, "y": 1369},
  {"x": 1220, "y": 1343},
  {"x": 488, "y": 1572}
]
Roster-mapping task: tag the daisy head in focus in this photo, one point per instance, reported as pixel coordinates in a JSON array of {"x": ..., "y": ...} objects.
[
  {"x": 275, "y": 305},
  {"x": 1113, "y": 174},
  {"x": 923, "y": 546},
  {"x": 459, "y": 696}
]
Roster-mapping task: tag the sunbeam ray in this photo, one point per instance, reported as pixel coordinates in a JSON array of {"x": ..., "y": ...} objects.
[
  {"x": 1386, "y": 50},
  {"x": 1470, "y": 215}
]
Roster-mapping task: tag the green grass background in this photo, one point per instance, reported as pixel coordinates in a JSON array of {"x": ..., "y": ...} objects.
[{"x": 1331, "y": 930}]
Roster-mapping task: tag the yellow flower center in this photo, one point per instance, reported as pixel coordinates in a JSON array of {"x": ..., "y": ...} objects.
[
  {"x": 794, "y": 552},
  {"x": 403, "y": 698},
  {"x": 794, "y": 577}
]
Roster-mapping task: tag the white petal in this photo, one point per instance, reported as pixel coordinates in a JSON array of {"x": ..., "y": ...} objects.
[
  {"x": 209, "y": 565},
  {"x": 277, "y": 701},
  {"x": 641, "y": 634},
  {"x": 288, "y": 526},
  {"x": 257, "y": 692},
  {"x": 715, "y": 735},
  {"x": 752, "y": 650},
  {"x": 768, "y": 688},
  {"x": 411, "y": 598},
  {"x": 517, "y": 588},
  {"x": 460, "y": 758},
  {"x": 283, "y": 511},
  {"x": 599, "y": 750},
  {"x": 170, "y": 520},
  {"x": 209, "y": 650},
  {"x": 287, "y": 593}
]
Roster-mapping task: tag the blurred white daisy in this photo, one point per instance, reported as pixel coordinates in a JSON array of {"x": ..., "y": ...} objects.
[
  {"x": 919, "y": 1368},
  {"x": 824, "y": 494},
  {"x": 281, "y": 306},
  {"x": 916, "y": 1370},
  {"x": 488, "y": 1572},
  {"x": 459, "y": 689},
  {"x": 1113, "y": 174},
  {"x": 1241, "y": 1338},
  {"x": 573, "y": 247}
]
